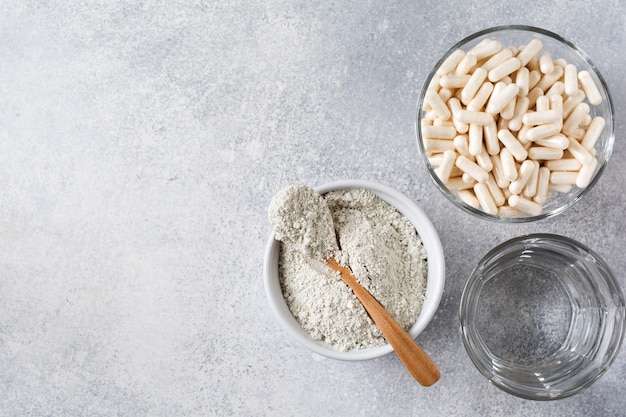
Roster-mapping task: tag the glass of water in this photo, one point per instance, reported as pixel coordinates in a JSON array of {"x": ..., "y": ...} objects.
[{"x": 542, "y": 316}]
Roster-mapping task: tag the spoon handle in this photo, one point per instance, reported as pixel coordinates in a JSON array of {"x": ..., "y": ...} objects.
[{"x": 419, "y": 364}]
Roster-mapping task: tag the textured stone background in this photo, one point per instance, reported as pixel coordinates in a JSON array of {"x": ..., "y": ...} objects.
[{"x": 140, "y": 143}]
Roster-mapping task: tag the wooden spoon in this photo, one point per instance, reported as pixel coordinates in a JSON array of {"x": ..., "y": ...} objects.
[{"x": 419, "y": 364}]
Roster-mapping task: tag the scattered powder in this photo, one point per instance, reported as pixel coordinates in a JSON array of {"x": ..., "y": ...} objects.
[
  {"x": 301, "y": 218},
  {"x": 386, "y": 255}
]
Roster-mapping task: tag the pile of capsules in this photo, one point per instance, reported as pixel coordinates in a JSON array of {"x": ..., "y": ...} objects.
[{"x": 506, "y": 127}]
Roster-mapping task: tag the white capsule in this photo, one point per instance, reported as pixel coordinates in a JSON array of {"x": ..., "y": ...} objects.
[
  {"x": 499, "y": 100},
  {"x": 542, "y": 103},
  {"x": 586, "y": 173},
  {"x": 525, "y": 205},
  {"x": 473, "y": 84},
  {"x": 462, "y": 145},
  {"x": 438, "y": 132},
  {"x": 521, "y": 107},
  {"x": 525, "y": 171},
  {"x": 543, "y": 131},
  {"x": 560, "y": 62},
  {"x": 556, "y": 104},
  {"x": 439, "y": 122},
  {"x": 575, "y": 118},
  {"x": 455, "y": 105},
  {"x": 498, "y": 171},
  {"x": 590, "y": 88},
  {"x": 435, "y": 159},
  {"x": 560, "y": 188},
  {"x": 445, "y": 168},
  {"x": 433, "y": 84},
  {"x": 483, "y": 160},
  {"x": 450, "y": 63},
  {"x": 531, "y": 185},
  {"x": 556, "y": 89},
  {"x": 521, "y": 79},
  {"x": 576, "y": 133},
  {"x": 570, "y": 79},
  {"x": 457, "y": 184},
  {"x": 454, "y": 81},
  {"x": 494, "y": 189},
  {"x": 563, "y": 164},
  {"x": 543, "y": 182},
  {"x": 522, "y": 135},
  {"x": 437, "y": 145},
  {"x": 557, "y": 141},
  {"x": 467, "y": 178},
  {"x": 490, "y": 136},
  {"x": 529, "y": 51},
  {"x": 429, "y": 115},
  {"x": 475, "y": 136},
  {"x": 497, "y": 89},
  {"x": 593, "y": 132},
  {"x": 471, "y": 168},
  {"x": 533, "y": 94},
  {"x": 480, "y": 98},
  {"x": 504, "y": 69},
  {"x": 445, "y": 94},
  {"x": 533, "y": 79},
  {"x": 541, "y": 117},
  {"x": 474, "y": 117},
  {"x": 507, "y": 112},
  {"x": 508, "y": 165},
  {"x": 548, "y": 79},
  {"x": 487, "y": 204},
  {"x": 497, "y": 59},
  {"x": 508, "y": 211},
  {"x": 466, "y": 64},
  {"x": 437, "y": 104},
  {"x": 572, "y": 102},
  {"x": 579, "y": 152},
  {"x": 546, "y": 65},
  {"x": 543, "y": 153},
  {"x": 469, "y": 198},
  {"x": 486, "y": 48},
  {"x": 512, "y": 144},
  {"x": 563, "y": 177}
]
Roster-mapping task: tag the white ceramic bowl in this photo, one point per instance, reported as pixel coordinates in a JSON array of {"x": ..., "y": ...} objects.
[{"x": 434, "y": 284}]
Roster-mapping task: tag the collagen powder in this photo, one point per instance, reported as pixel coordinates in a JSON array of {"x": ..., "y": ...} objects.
[
  {"x": 301, "y": 219},
  {"x": 384, "y": 252}
]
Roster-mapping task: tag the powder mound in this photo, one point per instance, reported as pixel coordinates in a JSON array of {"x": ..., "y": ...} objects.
[
  {"x": 301, "y": 219},
  {"x": 386, "y": 255}
]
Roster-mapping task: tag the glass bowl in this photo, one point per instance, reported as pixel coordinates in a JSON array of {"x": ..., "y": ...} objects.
[
  {"x": 435, "y": 277},
  {"x": 561, "y": 195},
  {"x": 542, "y": 316}
]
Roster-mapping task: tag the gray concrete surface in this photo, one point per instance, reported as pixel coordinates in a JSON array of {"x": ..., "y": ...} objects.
[{"x": 140, "y": 143}]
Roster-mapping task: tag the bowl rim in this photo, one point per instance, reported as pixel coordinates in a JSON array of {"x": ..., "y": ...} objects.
[
  {"x": 610, "y": 125},
  {"x": 434, "y": 285},
  {"x": 466, "y": 317}
]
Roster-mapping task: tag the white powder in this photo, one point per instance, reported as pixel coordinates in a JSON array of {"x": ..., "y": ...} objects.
[
  {"x": 385, "y": 253},
  {"x": 301, "y": 218}
]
